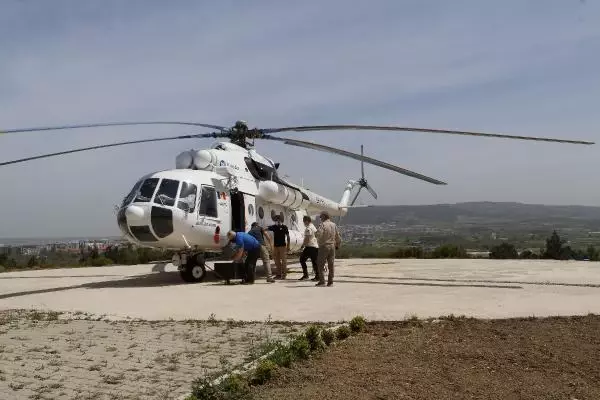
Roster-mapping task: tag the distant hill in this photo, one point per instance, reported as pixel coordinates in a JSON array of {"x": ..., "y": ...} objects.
[{"x": 480, "y": 214}]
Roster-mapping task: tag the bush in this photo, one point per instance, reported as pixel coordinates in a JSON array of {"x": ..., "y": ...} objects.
[
  {"x": 328, "y": 336},
  {"x": 343, "y": 332},
  {"x": 264, "y": 371},
  {"x": 100, "y": 261},
  {"x": 300, "y": 348},
  {"x": 234, "y": 387},
  {"x": 314, "y": 338},
  {"x": 283, "y": 356},
  {"x": 357, "y": 324}
]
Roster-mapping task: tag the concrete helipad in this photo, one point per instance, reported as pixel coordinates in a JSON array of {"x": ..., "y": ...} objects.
[{"x": 377, "y": 289}]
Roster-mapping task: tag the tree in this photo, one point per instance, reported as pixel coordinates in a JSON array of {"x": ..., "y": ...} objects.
[
  {"x": 593, "y": 254},
  {"x": 32, "y": 262},
  {"x": 555, "y": 248},
  {"x": 449, "y": 251},
  {"x": 504, "y": 251}
]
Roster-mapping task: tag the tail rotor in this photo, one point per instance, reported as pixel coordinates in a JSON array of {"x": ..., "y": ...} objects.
[{"x": 362, "y": 182}]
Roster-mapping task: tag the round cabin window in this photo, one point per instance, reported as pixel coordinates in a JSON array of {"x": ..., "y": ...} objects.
[
  {"x": 261, "y": 213},
  {"x": 250, "y": 209},
  {"x": 273, "y": 215},
  {"x": 293, "y": 218},
  {"x": 282, "y": 217}
]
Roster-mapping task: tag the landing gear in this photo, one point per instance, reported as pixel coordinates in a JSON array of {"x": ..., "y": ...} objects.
[{"x": 193, "y": 268}]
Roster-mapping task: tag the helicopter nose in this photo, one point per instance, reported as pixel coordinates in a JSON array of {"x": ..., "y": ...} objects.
[{"x": 134, "y": 213}]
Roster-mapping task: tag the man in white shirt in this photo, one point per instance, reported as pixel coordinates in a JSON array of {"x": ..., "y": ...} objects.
[{"x": 310, "y": 249}]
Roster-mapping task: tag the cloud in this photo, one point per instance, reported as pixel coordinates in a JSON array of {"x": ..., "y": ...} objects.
[{"x": 517, "y": 67}]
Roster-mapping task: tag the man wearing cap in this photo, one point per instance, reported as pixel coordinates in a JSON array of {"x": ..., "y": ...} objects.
[
  {"x": 329, "y": 239},
  {"x": 246, "y": 243}
]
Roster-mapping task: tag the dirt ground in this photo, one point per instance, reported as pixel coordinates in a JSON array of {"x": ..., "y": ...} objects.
[
  {"x": 554, "y": 358},
  {"x": 54, "y": 356}
]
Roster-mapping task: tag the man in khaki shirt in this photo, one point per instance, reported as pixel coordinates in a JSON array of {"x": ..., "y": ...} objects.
[{"x": 329, "y": 239}]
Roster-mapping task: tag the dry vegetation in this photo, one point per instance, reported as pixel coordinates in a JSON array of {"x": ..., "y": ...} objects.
[{"x": 53, "y": 356}]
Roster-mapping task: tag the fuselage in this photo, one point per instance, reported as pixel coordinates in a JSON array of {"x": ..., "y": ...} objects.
[{"x": 211, "y": 192}]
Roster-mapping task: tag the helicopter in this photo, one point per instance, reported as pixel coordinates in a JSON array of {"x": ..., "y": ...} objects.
[{"x": 229, "y": 185}]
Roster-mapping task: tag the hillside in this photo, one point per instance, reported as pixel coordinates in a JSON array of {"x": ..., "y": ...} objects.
[{"x": 481, "y": 216}]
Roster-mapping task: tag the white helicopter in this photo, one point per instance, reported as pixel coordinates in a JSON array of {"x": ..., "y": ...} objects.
[{"x": 229, "y": 186}]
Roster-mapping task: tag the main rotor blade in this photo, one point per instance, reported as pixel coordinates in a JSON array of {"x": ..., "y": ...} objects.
[
  {"x": 370, "y": 189},
  {"x": 316, "y": 146},
  {"x": 96, "y": 125},
  {"x": 103, "y": 146},
  {"x": 407, "y": 129}
]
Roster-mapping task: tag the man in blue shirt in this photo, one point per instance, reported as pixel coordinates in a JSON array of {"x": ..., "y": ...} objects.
[{"x": 248, "y": 244}]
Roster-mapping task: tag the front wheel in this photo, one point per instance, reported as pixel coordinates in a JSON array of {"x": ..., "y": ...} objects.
[{"x": 193, "y": 272}]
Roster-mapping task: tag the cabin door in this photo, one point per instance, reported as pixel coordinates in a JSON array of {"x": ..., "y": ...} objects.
[
  {"x": 250, "y": 202},
  {"x": 238, "y": 212}
]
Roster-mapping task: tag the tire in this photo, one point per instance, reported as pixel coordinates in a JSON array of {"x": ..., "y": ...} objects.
[{"x": 193, "y": 272}]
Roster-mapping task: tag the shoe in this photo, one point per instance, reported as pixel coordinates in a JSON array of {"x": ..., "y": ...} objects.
[
  {"x": 270, "y": 280},
  {"x": 303, "y": 278},
  {"x": 315, "y": 279},
  {"x": 329, "y": 283},
  {"x": 320, "y": 284}
]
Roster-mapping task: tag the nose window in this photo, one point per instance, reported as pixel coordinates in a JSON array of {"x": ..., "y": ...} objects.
[
  {"x": 167, "y": 192},
  {"x": 187, "y": 197}
]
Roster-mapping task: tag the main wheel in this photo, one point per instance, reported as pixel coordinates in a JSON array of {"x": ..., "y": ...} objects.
[{"x": 193, "y": 272}]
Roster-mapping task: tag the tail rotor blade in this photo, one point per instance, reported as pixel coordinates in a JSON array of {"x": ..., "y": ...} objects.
[
  {"x": 370, "y": 189},
  {"x": 362, "y": 163},
  {"x": 356, "y": 195}
]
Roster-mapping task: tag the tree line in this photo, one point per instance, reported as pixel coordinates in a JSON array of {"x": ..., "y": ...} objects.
[{"x": 556, "y": 248}]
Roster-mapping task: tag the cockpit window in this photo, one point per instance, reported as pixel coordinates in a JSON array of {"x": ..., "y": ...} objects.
[
  {"x": 208, "y": 202},
  {"x": 167, "y": 192},
  {"x": 146, "y": 190},
  {"x": 132, "y": 193},
  {"x": 187, "y": 197}
]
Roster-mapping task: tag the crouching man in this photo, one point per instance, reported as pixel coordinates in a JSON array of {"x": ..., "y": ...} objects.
[{"x": 248, "y": 244}]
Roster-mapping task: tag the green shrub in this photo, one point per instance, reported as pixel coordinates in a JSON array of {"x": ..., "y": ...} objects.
[
  {"x": 264, "y": 371},
  {"x": 300, "y": 348},
  {"x": 283, "y": 356},
  {"x": 343, "y": 332},
  {"x": 233, "y": 387},
  {"x": 314, "y": 338},
  {"x": 357, "y": 324},
  {"x": 328, "y": 336}
]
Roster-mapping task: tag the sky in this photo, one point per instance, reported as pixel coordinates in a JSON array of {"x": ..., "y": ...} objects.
[{"x": 520, "y": 67}]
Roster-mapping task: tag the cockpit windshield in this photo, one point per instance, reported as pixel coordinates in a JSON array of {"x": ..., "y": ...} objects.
[
  {"x": 144, "y": 194},
  {"x": 187, "y": 197},
  {"x": 132, "y": 193},
  {"x": 167, "y": 192}
]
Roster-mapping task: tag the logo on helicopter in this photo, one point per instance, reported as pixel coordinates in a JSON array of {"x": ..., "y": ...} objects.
[{"x": 224, "y": 163}]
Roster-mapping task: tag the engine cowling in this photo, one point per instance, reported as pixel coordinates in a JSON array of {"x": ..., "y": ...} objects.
[{"x": 276, "y": 193}]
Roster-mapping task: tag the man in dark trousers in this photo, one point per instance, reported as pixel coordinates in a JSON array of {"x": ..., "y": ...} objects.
[
  {"x": 281, "y": 241},
  {"x": 246, "y": 243},
  {"x": 310, "y": 249}
]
